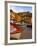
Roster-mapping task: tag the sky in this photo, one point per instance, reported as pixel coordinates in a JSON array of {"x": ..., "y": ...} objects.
[{"x": 21, "y": 8}]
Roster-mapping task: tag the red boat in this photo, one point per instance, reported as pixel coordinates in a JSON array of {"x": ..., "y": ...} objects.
[{"x": 15, "y": 32}]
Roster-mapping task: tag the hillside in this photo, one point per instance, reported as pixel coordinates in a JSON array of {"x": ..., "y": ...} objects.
[{"x": 21, "y": 17}]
